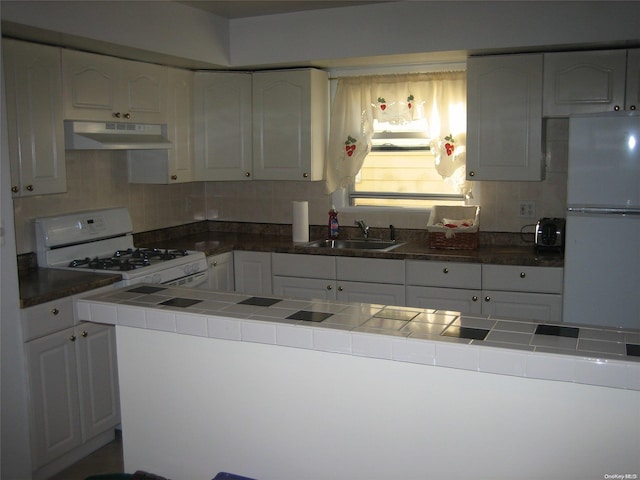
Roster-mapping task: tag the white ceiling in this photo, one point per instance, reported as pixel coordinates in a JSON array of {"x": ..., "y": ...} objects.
[{"x": 253, "y": 8}]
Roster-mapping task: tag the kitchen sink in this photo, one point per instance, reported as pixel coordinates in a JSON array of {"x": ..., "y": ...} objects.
[{"x": 357, "y": 244}]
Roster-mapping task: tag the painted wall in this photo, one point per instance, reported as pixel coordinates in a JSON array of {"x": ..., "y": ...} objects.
[{"x": 271, "y": 412}]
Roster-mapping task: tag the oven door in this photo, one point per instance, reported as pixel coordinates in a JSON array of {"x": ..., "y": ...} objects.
[{"x": 192, "y": 280}]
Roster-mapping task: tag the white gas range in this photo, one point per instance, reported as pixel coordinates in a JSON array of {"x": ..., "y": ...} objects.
[{"x": 101, "y": 241}]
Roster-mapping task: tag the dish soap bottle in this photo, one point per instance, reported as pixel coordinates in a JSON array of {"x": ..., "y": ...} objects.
[{"x": 334, "y": 226}]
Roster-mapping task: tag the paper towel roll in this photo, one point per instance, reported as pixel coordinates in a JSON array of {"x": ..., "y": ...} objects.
[{"x": 300, "y": 225}]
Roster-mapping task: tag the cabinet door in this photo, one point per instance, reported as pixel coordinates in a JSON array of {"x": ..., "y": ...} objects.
[
  {"x": 98, "y": 378},
  {"x": 221, "y": 276},
  {"x": 180, "y": 125},
  {"x": 34, "y": 118},
  {"x": 91, "y": 86},
  {"x": 379, "y": 293},
  {"x": 223, "y": 148},
  {"x": 584, "y": 82},
  {"x": 632, "y": 98},
  {"x": 304, "y": 288},
  {"x": 53, "y": 382},
  {"x": 252, "y": 272},
  {"x": 290, "y": 124},
  {"x": 541, "y": 307},
  {"x": 504, "y": 118},
  {"x": 450, "y": 299},
  {"x": 143, "y": 90}
]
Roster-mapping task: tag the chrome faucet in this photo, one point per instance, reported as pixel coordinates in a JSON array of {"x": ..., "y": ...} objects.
[{"x": 364, "y": 227}]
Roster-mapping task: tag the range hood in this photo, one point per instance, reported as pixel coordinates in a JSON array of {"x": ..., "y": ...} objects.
[{"x": 81, "y": 135}]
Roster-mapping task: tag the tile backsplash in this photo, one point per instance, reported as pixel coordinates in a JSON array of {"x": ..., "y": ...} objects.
[{"x": 98, "y": 179}]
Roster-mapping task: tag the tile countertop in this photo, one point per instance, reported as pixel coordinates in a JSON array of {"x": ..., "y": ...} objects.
[{"x": 567, "y": 353}]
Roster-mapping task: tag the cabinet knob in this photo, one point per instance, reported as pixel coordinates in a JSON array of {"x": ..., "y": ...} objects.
[
  {"x": 127, "y": 116},
  {"x": 72, "y": 338},
  {"x": 474, "y": 298},
  {"x": 305, "y": 175},
  {"x": 329, "y": 287},
  {"x": 174, "y": 177},
  {"x": 30, "y": 188},
  {"x": 616, "y": 108},
  {"x": 247, "y": 174},
  {"x": 215, "y": 263},
  {"x": 472, "y": 173},
  {"x": 116, "y": 114},
  {"x": 55, "y": 311},
  {"x": 340, "y": 289},
  {"x": 84, "y": 333},
  {"x": 522, "y": 274},
  {"x": 14, "y": 189},
  {"x": 632, "y": 107},
  {"x": 487, "y": 298},
  {"x": 445, "y": 270}
]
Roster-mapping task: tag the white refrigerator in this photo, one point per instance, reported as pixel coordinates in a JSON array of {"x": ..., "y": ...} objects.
[{"x": 602, "y": 247}]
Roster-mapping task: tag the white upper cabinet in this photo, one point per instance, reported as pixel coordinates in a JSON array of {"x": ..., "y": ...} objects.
[
  {"x": 587, "y": 82},
  {"x": 102, "y": 88},
  {"x": 175, "y": 164},
  {"x": 290, "y": 124},
  {"x": 223, "y": 126},
  {"x": 34, "y": 118},
  {"x": 504, "y": 118},
  {"x": 632, "y": 98}
]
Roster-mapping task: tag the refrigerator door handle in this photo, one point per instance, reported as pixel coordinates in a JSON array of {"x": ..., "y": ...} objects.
[{"x": 604, "y": 211}]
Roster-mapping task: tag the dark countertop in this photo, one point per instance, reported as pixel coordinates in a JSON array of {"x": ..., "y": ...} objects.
[
  {"x": 213, "y": 243},
  {"x": 46, "y": 284},
  {"x": 41, "y": 285}
]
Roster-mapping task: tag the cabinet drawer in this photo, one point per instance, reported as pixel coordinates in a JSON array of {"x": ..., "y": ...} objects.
[
  {"x": 46, "y": 318},
  {"x": 444, "y": 274},
  {"x": 300, "y": 265},
  {"x": 375, "y": 270},
  {"x": 522, "y": 279}
]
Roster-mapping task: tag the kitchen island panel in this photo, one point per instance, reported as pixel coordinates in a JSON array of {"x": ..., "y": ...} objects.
[{"x": 270, "y": 412}]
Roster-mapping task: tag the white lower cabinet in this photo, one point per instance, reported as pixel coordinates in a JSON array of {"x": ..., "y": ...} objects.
[
  {"x": 221, "y": 276},
  {"x": 252, "y": 272},
  {"x": 73, "y": 380},
  {"x": 366, "y": 280},
  {"x": 528, "y": 293}
]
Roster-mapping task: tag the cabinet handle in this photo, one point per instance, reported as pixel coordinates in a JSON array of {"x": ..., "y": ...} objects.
[
  {"x": 116, "y": 114},
  {"x": 472, "y": 173},
  {"x": 215, "y": 263},
  {"x": 339, "y": 289},
  {"x": 72, "y": 338},
  {"x": 14, "y": 189},
  {"x": 616, "y": 108},
  {"x": 127, "y": 116},
  {"x": 247, "y": 174},
  {"x": 522, "y": 274},
  {"x": 487, "y": 298},
  {"x": 445, "y": 270},
  {"x": 174, "y": 177},
  {"x": 30, "y": 188},
  {"x": 632, "y": 107},
  {"x": 305, "y": 175},
  {"x": 474, "y": 298},
  {"x": 84, "y": 334},
  {"x": 329, "y": 287},
  {"x": 55, "y": 311}
]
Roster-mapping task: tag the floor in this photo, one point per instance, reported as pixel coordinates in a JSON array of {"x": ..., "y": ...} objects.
[{"x": 108, "y": 459}]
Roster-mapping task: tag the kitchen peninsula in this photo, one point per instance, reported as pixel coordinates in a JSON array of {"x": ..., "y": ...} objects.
[{"x": 288, "y": 389}]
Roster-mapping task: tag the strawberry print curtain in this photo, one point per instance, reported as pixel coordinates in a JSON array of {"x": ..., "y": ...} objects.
[{"x": 437, "y": 98}]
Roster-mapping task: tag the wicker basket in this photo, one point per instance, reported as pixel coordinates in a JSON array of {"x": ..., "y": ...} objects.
[{"x": 458, "y": 238}]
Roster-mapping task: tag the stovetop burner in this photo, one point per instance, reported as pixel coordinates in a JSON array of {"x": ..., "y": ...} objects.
[{"x": 129, "y": 259}]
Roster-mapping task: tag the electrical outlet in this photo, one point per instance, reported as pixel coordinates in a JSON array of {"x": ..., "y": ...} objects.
[{"x": 527, "y": 209}]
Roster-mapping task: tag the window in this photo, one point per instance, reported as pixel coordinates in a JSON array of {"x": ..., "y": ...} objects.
[{"x": 399, "y": 140}]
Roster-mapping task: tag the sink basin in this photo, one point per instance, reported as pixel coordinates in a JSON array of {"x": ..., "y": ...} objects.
[{"x": 357, "y": 244}]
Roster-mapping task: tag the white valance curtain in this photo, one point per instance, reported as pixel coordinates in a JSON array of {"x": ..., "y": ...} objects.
[{"x": 438, "y": 98}]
